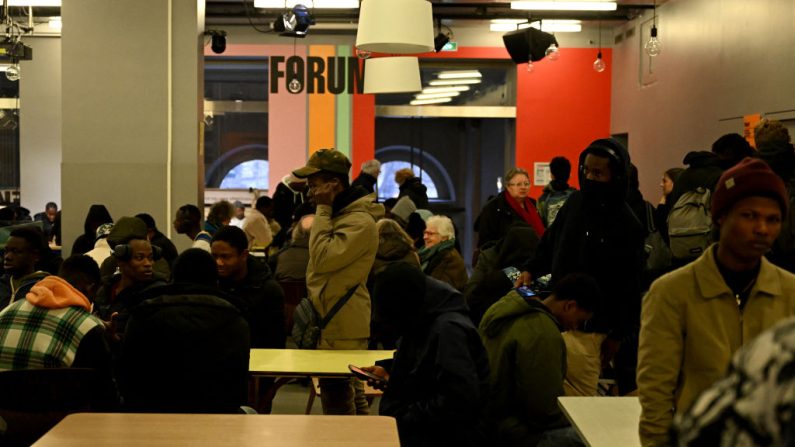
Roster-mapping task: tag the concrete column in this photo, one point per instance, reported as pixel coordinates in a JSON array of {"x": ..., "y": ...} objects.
[{"x": 132, "y": 80}]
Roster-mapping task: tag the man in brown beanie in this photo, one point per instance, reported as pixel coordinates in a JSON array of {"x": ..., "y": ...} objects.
[{"x": 696, "y": 317}]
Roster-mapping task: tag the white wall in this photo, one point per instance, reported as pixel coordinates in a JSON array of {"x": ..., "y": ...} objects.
[
  {"x": 721, "y": 59},
  {"x": 40, "y": 124}
]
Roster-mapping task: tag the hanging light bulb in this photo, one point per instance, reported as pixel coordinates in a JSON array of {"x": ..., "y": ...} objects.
[
  {"x": 12, "y": 72},
  {"x": 599, "y": 64},
  {"x": 653, "y": 47},
  {"x": 530, "y": 67},
  {"x": 553, "y": 52},
  {"x": 363, "y": 54}
]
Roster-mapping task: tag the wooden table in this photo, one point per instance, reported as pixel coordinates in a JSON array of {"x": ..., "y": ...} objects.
[
  {"x": 310, "y": 362},
  {"x": 604, "y": 421},
  {"x": 175, "y": 430}
]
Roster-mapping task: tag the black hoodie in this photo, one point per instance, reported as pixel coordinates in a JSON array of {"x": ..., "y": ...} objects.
[
  {"x": 439, "y": 374},
  {"x": 703, "y": 170},
  {"x": 599, "y": 234}
]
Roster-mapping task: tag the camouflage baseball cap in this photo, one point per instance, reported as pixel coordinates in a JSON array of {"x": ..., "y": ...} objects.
[{"x": 328, "y": 160}]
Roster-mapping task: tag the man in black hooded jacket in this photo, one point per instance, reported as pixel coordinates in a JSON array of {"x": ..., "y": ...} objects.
[
  {"x": 437, "y": 380},
  {"x": 597, "y": 233}
]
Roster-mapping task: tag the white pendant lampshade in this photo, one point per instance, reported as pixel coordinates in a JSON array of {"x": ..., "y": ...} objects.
[
  {"x": 395, "y": 26},
  {"x": 400, "y": 74}
]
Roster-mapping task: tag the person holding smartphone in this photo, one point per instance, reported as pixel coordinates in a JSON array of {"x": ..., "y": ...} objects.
[{"x": 435, "y": 385}]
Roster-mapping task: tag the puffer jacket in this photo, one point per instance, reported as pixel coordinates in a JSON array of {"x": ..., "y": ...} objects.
[
  {"x": 342, "y": 249},
  {"x": 691, "y": 325},
  {"x": 439, "y": 375}
]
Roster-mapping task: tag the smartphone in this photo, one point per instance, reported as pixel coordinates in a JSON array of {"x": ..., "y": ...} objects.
[
  {"x": 365, "y": 375},
  {"x": 525, "y": 292}
]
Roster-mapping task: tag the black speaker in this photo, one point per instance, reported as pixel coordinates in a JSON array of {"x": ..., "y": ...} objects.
[
  {"x": 528, "y": 44},
  {"x": 123, "y": 252}
]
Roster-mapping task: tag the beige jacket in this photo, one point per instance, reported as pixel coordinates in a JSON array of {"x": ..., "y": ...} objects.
[
  {"x": 258, "y": 230},
  {"x": 341, "y": 252},
  {"x": 691, "y": 324}
]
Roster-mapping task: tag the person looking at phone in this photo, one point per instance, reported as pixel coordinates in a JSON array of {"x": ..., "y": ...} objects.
[
  {"x": 527, "y": 358},
  {"x": 436, "y": 383}
]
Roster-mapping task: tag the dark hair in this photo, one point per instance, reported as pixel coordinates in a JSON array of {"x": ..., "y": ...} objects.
[
  {"x": 80, "y": 270},
  {"x": 195, "y": 266},
  {"x": 560, "y": 167},
  {"x": 673, "y": 173},
  {"x": 51, "y": 205},
  {"x": 220, "y": 211},
  {"x": 581, "y": 288},
  {"x": 263, "y": 202},
  {"x": 732, "y": 147},
  {"x": 148, "y": 220},
  {"x": 33, "y": 236},
  {"x": 192, "y": 213},
  {"x": 390, "y": 203},
  {"x": 97, "y": 215},
  {"x": 233, "y": 236}
]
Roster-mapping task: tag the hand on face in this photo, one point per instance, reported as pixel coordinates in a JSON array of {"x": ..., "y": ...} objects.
[{"x": 324, "y": 193}]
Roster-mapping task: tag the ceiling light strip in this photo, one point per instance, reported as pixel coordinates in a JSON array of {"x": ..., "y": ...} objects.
[
  {"x": 565, "y": 6},
  {"x": 436, "y": 95},
  {"x": 459, "y": 74},
  {"x": 438, "y": 82},
  {"x": 319, "y": 4},
  {"x": 452, "y": 88},
  {"x": 421, "y": 102}
]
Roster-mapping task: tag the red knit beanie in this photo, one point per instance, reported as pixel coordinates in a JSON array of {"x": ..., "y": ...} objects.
[{"x": 750, "y": 177}]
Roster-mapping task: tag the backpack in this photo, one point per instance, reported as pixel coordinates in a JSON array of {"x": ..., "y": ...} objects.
[
  {"x": 690, "y": 224},
  {"x": 552, "y": 205},
  {"x": 658, "y": 255},
  {"x": 307, "y": 323}
]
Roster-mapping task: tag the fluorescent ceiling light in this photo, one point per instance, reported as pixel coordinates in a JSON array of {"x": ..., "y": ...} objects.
[
  {"x": 421, "y": 102},
  {"x": 34, "y": 2},
  {"x": 320, "y": 4},
  {"x": 454, "y": 82},
  {"x": 565, "y": 6},
  {"x": 459, "y": 74},
  {"x": 436, "y": 95},
  {"x": 452, "y": 88}
]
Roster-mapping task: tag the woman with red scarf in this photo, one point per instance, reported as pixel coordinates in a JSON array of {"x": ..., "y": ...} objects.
[{"x": 510, "y": 207}]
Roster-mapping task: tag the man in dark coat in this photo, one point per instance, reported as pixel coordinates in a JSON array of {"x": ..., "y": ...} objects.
[
  {"x": 412, "y": 186},
  {"x": 368, "y": 178},
  {"x": 597, "y": 233},
  {"x": 251, "y": 281},
  {"x": 438, "y": 378}
]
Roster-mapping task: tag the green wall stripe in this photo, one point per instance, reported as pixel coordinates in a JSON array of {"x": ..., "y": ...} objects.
[{"x": 344, "y": 111}]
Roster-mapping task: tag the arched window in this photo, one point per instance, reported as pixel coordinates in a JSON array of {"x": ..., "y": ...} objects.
[
  {"x": 434, "y": 175},
  {"x": 386, "y": 180},
  {"x": 249, "y": 174}
]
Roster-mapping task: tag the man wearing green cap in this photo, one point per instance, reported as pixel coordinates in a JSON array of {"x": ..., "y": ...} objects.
[{"x": 342, "y": 246}]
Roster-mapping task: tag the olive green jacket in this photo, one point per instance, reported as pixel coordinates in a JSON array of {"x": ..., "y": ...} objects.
[
  {"x": 691, "y": 325},
  {"x": 341, "y": 252}
]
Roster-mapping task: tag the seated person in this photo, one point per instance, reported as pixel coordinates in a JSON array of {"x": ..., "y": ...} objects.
[
  {"x": 527, "y": 357},
  {"x": 439, "y": 257},
  {"x": 438, "y": 378},
  {"x": 24, "y": 251},
  {"x": 291, "y": 261},
  {"x": 174, "y": 326},
  {"x": 28, "y": 335}
]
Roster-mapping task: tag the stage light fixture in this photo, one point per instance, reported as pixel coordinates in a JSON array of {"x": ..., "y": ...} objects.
[
  {"x": 218, "y": 42},
  {"x": 295, "y": 22}
]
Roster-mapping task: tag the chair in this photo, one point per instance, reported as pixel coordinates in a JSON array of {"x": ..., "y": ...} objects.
[
  {"x": 35, "y": 400},
  {"x": 294, "y": 291}
]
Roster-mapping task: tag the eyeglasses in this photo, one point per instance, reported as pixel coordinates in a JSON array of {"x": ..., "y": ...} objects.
[{"x": 519, "y": 184}]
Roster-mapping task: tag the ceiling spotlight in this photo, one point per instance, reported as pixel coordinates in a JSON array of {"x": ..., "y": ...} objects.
[
  {"x": 218, "y": 44},
  {"x": 295, "y": 22}
]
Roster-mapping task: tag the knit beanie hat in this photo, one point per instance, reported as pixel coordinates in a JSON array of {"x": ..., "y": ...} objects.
[
  {"x": 750, "y": 177},
  {"x": 127, "y": 229}
]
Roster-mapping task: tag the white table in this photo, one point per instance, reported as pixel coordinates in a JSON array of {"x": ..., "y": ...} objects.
[
  {"x": 191, "y": 430},
  {"x": 604, "y": 421}
]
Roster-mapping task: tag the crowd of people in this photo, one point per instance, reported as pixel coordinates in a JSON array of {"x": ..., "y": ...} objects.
[{"x": 583, "y": 292}]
